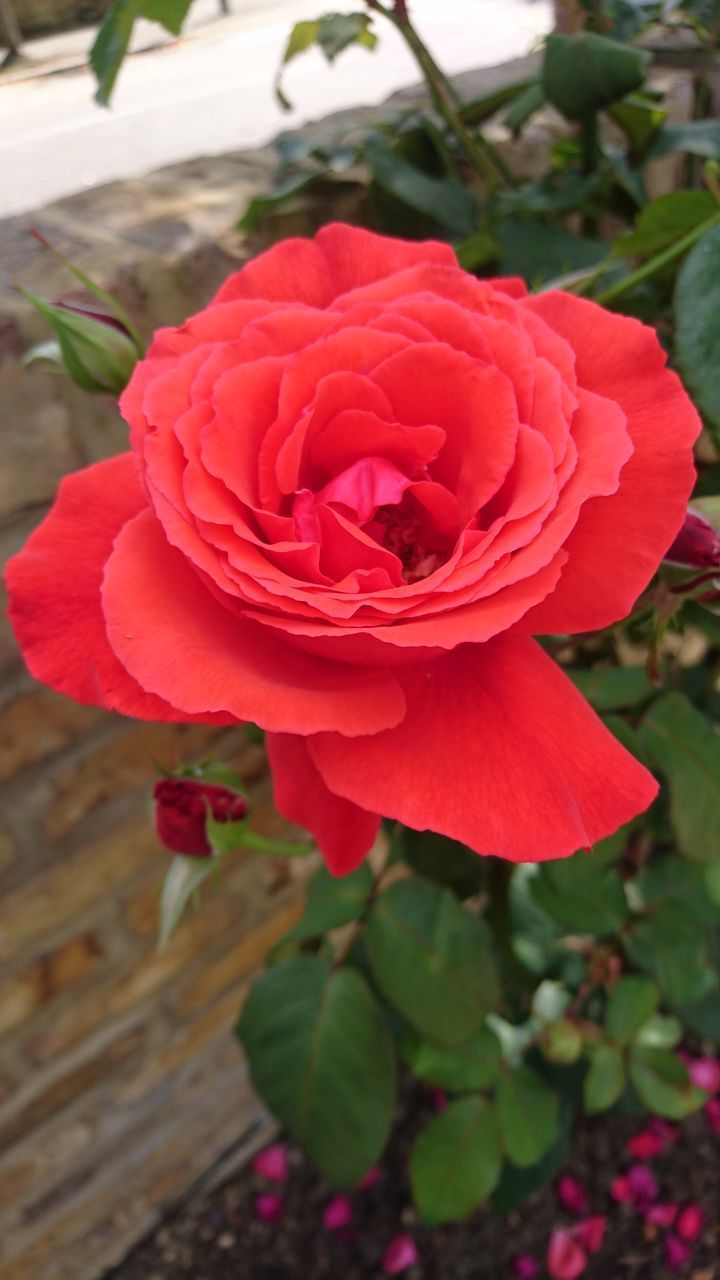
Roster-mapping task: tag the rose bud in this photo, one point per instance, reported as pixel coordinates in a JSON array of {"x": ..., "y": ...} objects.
[
  {"x": 565, "y": 1259},
  {"x": 697, "y": 545},
  {"x": 93, "y": 346},
  {"x": 272, "y": 1163},
  {"x": 182, "y": 806},
  {"x": 400, "y": 1255},
  {"x": 572, "y": 1195}
]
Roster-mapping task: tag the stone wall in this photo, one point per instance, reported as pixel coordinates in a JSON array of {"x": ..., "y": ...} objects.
[{"x": 35, "y": 17}]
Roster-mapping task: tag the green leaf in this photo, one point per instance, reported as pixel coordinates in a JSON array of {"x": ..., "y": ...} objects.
[
  {"x": 259, "y": 206},
  {"x": 581, "y": 893},
  {"x": 538, "y": 250},
  {"x": 698, "y": 137},
  {"x": 633, "y": 1000},
  {"x": 562, "y": 1041},
  {"x": 433, "y": 960},
  {"x": 524, "y": 107},
  {"x": 475, "y": 1064},
  {"x": 665, "y": 220},
  {"x": 182, "y": 880},
  {"x": 228, "y": 837},
  {"x": 605, "y": 1079},
  {"x": 444, "y": 199},
  {"x": 662, "y": 1083},
  {"x": 583, "y": 73},
  {"x": 321, "y": 1058},
  {"x": 456, "y": 1161},
  {"x": 331, "y": 33},
  {"x": 612, "y": 688},
  {"x": 639, "y": 117},
  {"x": 488, "y": 104},
  {"x": 113, "y": 38},
  {"x": 527, "y": 1109},
  {"x": 442, "y": 860},
  {"x": 333, "y": 901},
  {"x": 697, "y": 331},
  {"x": 670, "y": 939},
  {"x": 684, "y": 745},
  {"x": 660, "y": 1032}
]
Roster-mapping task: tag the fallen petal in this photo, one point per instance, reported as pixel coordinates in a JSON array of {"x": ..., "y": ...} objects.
[
  {"x": 712, "y": 1115},
  {"x": 677, "y": 1252},
  {"x": 705, "y": 1074},
  {"x": 646, "y": 1144},
  {"x": 525, "y": 1267},
  {"x": 372, "y": 1177},
  {"x": 661, "y": 1215},
  {"x": 272, "y": 1163},
  {"x": 572, "y": 1195},
  {"x": 338, "y": 1213},
  {"x": 400, "y": 1254},
  {"x": 643, "y": 1185},
  {"x": 269, "y": 1207},
  {"x": 590, "y": 1233},
  {"x": 565, "y": 1258},
  {"x": 621, "y": 1190},
  {"x": 690, "y": 1221}
]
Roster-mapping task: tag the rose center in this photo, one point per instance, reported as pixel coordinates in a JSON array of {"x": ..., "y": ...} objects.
[{"x": 405, "y": 529}]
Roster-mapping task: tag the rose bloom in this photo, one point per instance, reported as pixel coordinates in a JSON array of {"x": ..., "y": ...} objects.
[{"x": 360, "y": 482}]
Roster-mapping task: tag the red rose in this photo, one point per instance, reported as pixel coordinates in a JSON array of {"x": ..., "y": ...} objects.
[
  {"x": 360, "y": 481},
  {"x": 181, "y": 812}
]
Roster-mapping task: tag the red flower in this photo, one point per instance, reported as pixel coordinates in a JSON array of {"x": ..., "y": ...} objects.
[
  {"x": 361, "y": 481},
  {"x": 697, "y": 544},
  {"x": 181, "y": 811}
]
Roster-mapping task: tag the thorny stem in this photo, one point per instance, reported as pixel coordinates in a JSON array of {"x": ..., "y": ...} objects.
[
  {"x": 660, "y": 260},
  {"x": 484, "y": 158}
]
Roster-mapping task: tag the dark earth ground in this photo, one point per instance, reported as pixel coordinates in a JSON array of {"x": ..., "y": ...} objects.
[{"x": 216, "y": 1235}]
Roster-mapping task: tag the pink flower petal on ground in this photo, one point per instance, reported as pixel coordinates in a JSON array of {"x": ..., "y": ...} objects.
[
  {"x": 676, "y": 1252},
  {"x": 272, "y": 1163},
  {"x": 661, "y": 1215},
  {"x": 400, "y": 1254},
  {"x": 439, "y": 1099},
  {"x": 705, "y": 1074},
  {"x": 269, "y": 1207},
  {"x": 565, "y": 1259},
  {"x": 643, "y": 1185},
  {"x": 646, "y": 1144},
  {"x": 591, "y": 1232},
  {"x": 572, "y": 1195},
  {"x": 525, "y": 1267},
  {"x": 371, "y": 1179},
  {"x": 690, "y": 1221},
  {"x": 665, "y": 1128},
  {"x": 621, "y": 1190},
  {"x": 712, "y": 1115},
  {"x": 338, "y": 1213}
]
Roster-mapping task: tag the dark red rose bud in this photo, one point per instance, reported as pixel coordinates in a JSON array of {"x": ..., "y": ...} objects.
[
  {"x": 697, "y": 544},
  {"x": 182, "y": 807}
]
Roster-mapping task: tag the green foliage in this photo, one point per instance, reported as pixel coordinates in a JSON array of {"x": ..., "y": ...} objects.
[
  {"x": 332, "y": 34},
  {"x": 632, "y": 1002},
  {"x": 583, "y": 73},
  {"x": 474, "y": 1064},
  {"x": 683, "y": 744},
  {"x": 527, "y": 1109},
  {"x": 321, "y": 1057},
  {"x": 432, "y": 960},
  {"x": 333, "y": 901},
  {"x": 456, "y": 1161},
  {"x": 605, "y": 1079},
  {"x": 113, "y": 38},
  {"x": 697, "y": 338},
  {"x": 662, "y": 1083}
]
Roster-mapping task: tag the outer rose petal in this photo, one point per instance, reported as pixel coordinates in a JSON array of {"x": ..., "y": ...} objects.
[
  {"x": 620, "y": 540},
  {"x": 344, "y": 832},
  {"x": 176, "y": 638},
  {"x": 497, "y": 750},
  {"x": 54, "y": 585}
]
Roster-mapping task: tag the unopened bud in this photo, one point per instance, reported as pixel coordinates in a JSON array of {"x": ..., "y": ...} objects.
[{"x": 182, "y": 808}]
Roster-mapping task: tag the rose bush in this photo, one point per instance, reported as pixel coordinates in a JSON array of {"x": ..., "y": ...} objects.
[{"x": 360, "y": 482}]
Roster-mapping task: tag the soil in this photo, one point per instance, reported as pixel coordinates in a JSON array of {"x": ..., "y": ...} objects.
[{"x": 217, "y": 1236}]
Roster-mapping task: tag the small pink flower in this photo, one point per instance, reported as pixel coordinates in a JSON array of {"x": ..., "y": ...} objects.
[
  {"x": 690, "y": 1221},
  {"x": 646, "y": 1144},
  {"x": 643, "y": 1185},
  {"x": 621, "y": 1190},
  {"x": 338, "y": 1213},
  {"x": 676, "y": 1252},
  {"x": 591, "y": 1232},
  {"x": 269, "y": 1207},
  {"x": 565, "y": 1259},
  {"x": 572, "y": 1195},
  {"x": 272, "y": 1163},
  {"x": 661, "y": 1215},
  {"x": 525, "y": 1267},
  {"x": 400, "y": 1254},
  {"x": 705, "y": 1074},
  {"x": 712, "y": 1114},
  {"x": 372, "y": 1177}
]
